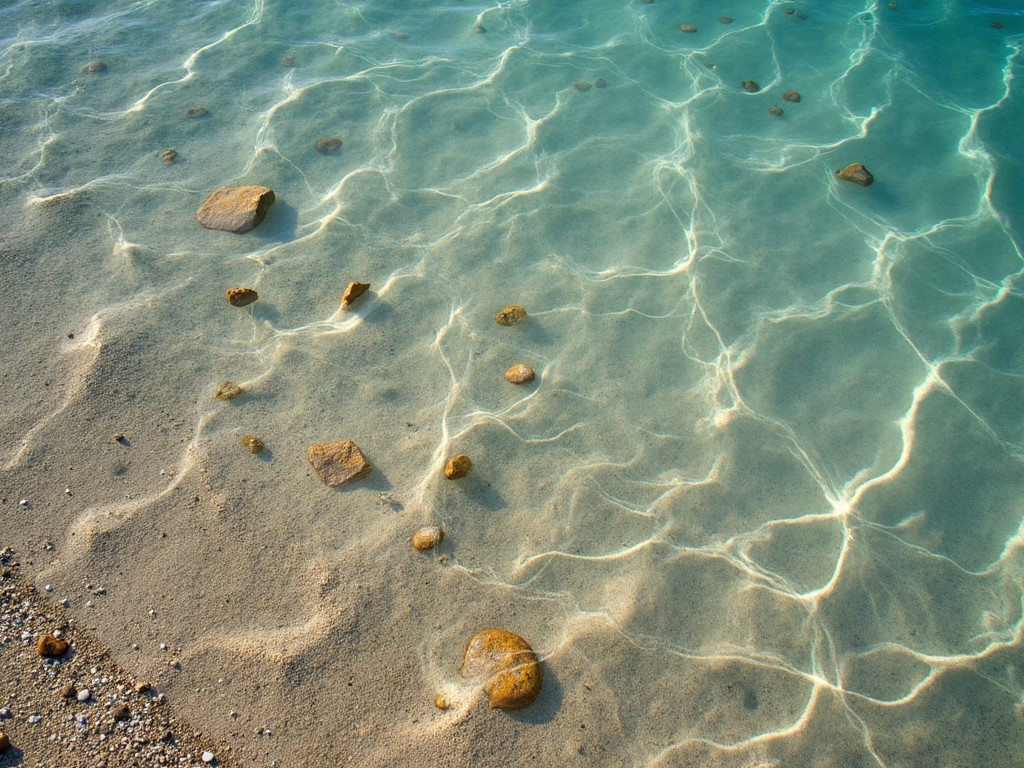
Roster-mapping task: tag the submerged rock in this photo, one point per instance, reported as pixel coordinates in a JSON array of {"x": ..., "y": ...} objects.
[
  {"x": 519, "y": 374},
  {"x": 51, "y": 647},
  {"x": 253, "y": 443},
  {"x": 751, "y": 86},
  {"x": 582, "y": 85},
  {"x": 793, "y": 96},
  {"x": 241, "y": 297},
  {"x": 95, "y": 67},
  {"x": 352, "y": 292},
  {"x": 168, "y": 156},
  {"x": 458, "y": 467},
  {"x": 328, "y": 145},
  {"x": 600, "y": 83},
  {"x": 427, "y": 537},
  {"x": 193, "y": 112},
  {"x": 338, "y": 462},
  {"x": 513, "y": 673},
  {"x": 235, "y": 209},
  {"x": 726, "y": 19},
  {"x": 856, "y": 173},
  {"x": 687, "y": 27},
  {"x": 775, "y": 110},
  {"x": 288, "y": 61},
  {"x": 511, "y": 315},
  {"x": 228, "y": 390}
]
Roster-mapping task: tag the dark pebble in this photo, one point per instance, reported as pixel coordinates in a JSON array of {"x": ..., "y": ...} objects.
[
  {"x": 793, "y": 96},
  {"x": 581, "y": 85},
  {"x": 599, "y": 83},
  {"x": 687, "y": 27},
  {"x": 726, "y": 19},
  {"x": 480, "y": 29},
  {"x": 289, "y": 61},
  {"x": 194, "y": 112},
  {"x": 328, "y": 145},
  {"x": 997, "y": 25},
  {"x": 95, "y": 66},
  {"x": 751, "y": 86},
  {"x": 775, "y": 110}
]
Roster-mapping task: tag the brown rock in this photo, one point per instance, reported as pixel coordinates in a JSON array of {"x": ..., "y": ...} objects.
[
  {"x": 775, "y": 110},
  {"x": 51, "y": 646},
  {"x": 793, "y": 96},
  {"x": 339, "y": 462},
  {"x": 228, "y": 390},
  {"x": 352, "y": 292},
  {"x": 289, "y": 61},
  {"x": 582, "y": 85},
  {"x": 241, "y": 297},
  {"x": 856, "y": 173},
  {"x": 120, "y": 712},
  {"x": 512, "y": 672},
  {"x": 328, "y": 145},
  {"x": 142, "y": 687},
  {"x": 235, "y": 209},
  {"x": 511, "y": 315},
  {"x": 687, "y": 27},
  {"x": 5, "y": 742},
  {"x": 751, "y": 86},
  {"x": 600, "y": 83},
  {"x": 253, "y": 443},
  {"x": 427, "y": 538},
  {"x": 195, "y": 112},
  {"x": 168, "y": 156},
  {"x": 458, "y": 467},
  {"x": 726, "y": 19},
  {"x": 519, "y": 374},
  {"x": 94, "y": 67}
]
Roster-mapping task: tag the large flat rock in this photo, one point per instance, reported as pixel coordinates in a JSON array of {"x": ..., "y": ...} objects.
[
  {"x": 235, "y": 209},
  {"x": 339, "y": 462}
]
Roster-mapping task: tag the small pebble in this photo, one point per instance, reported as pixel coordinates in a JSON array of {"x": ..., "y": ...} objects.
[
  {"x": 207, "y": 756},
  {"x": 581, "y": 85},
  {"x": 687, "y": 27},
  {"x": 441, "y": 703},
  {"x": 726, "y": 19},
  {"x": 228, "y": 390},
  {"x": 750, "y": 86},
  {"x": 195, "y": 112},
  {"x": 120, "y": 712},
  {"x": 253, "y": 443},
  {"x": 599, "y": 83},
  {"x": 48, "y": 587},
  {"x": 67, "y": 491},
  {"x": 95, "y": 66},
  {"x": 427, "y": 538},
  {"x": 5, "y": 742},
  {"x": 33, "y": 719},
  {"x": 163, "y": 646},
  {"x": 511, "y": 315},
  {"x": 84, "y": 695},
  {"x": 51, "y": 646},
  {"x": 241, "y": 297},
  {"x": 519, "y": 374},
  {"x": 775, "y": 110},
  {"x": 801, "y": 15},
  {"x": 353, "y": 291},
  {"x": 168, "y": 156},
  {"x": 328, "y": 145},
  {"x": 480, "y": 29},
  {"x": 5, "y": 713}
]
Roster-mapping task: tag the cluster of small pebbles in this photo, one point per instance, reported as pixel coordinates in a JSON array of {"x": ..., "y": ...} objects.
[{"x": 64, "y": 702}]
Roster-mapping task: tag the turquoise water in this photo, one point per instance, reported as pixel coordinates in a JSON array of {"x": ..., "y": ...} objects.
[{"x": 768, "y": 486}]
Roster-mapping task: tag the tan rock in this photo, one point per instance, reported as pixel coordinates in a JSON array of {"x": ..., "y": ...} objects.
[
  {"x": 687, "y": 27},
  {"x": 253, "y": 443},
  {"x": 441, "y": 702},
  {"x": 51, "y": 646},
  {"x": 339, "y": 462},
  {"x": 856, "y": 173},
  {"x": 775, "y": 110},
  {"x": 228, "y": 390},
  {"x": 328, "y": 145},
  {"x": 95, "y": 67},
  {"x": 241, "y": 297},
  {"x": 511, "y": 315},
  {"x": 519, "y": 374},
  {"x": 427, "y": 537},
  {"x": 168, "y": 156},
  {"x": 793, "y": 96},
  {"x": 352, "y": 292},
  {"x": 458, "y": 467},
  {"x": 235, "y": 209},
  {"x": 510, "y": 669}
]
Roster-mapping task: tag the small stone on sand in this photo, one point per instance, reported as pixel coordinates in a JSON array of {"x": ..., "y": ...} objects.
[
  {"x": 511, "y": 668},
  {"x": 328, "y": 145},
  {"x": 511, "y": 315},
  {"x": 235, "y": 209},
  {"x": 726, "y": 19},
  {"x": 338, "y": 462},
  {"x": 95, "y": 67},
  {"x": 228, "y": 390},
  {"x": 352, "y": 292},
  {"x": 751, "y": 86},
  {"x": 775, "y": 110},
  {"x": 194, "y": 112},
  {"x": 801, "y": 15},
  {"x": 519, "y": 374},
  {"x": 793, "y": 96},
  {"x": 687, "y": 27},
  {"x": 581, "y": 85},
  {"x": 856, "y": 173},
  {"x": 288, "y": 61},
  {"x": 458, "y": 467},
  {"x": 253, "y": 443},
  {"x": 241, "y": 297},
  {"x": 599, "y": 83},
  {"x": 5, "y": 742},
  {"x": 441, "y": 702},
  {"x": 168, "y": 156},
  {"x": 84, "y": 695},
  {"x": 120, "y": 712},
  {"x": 427, "y": 538},
  {"x": 51, "y": 646}
]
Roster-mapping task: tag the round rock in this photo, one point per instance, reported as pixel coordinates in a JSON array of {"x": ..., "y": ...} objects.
[
  {"x": 235, "y": 209},
  {"x": 511, "y": 315},
  {"x": 427, "y": 537},
  {"x": 195, "y": 112},
  {"x": 857, "y": 173},
  {"x": 168, "y": 156},
  {"x": 582, "y": 85},
  {"x": 95, "y": 66},
  {"x": 750, "y": 86},
  {"x": 5, "y": 742},
  {"x": 775, "y": 110},
  {"x": 687, "y": 27},
  {"x": 51, "y": 647},
  {"x": 519, "y": 374},
  {"x": 352, "y": 292},
  {"x": 508, "y": 666},
  {"x": 241, "y": 297},
  {"x": 458, "y": 467},
  {"x": 253, "y": 443},
  {"x": 793, "y": 96}
]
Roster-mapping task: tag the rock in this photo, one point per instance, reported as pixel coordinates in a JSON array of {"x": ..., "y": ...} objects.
[
  {"x": 241, "y": 297},
  {"x": 599, "y": 83},
  {"x": 84, "y": 695},
  {"x": 726, "y": 19},
  {"x": 120, "y": 712},
  {"x": 441, "y": 702},
  {"x": 339, "y": 462},
  {"x": 228, "y": 390},
  {"x": 511, "y": 315},
  {"x": 68, "y": 691},
  {"x": 519, "y": 374},
  {"x": 801, "y": 15},
  {"x": 997, "y": 25},
  {"x": 168, "y": 156},
  {"x": 751, "y": 86},
  {"x": 195, "y": 112},
  {"x": 856, "y": 173},
  {"x": 253, "y": 443},
  {"x": 328, "y": 145},
  {"x": 480, "y": 29},
  {"x": 235, "y": 209},
  {"x": 94, "y": 67},
  {"x": 5, "y": 742},
  {"x": 51, "y": 647},
  {"x": 142, "y": 687},
  {"x": 288, "y": 61},
  {"x": 458, "y": 467},
  {"x": 789, "y": 11},
  {"x": 687, "y": 27},
  {"x": 775, "y": 110},
  {"x": 581, "y": 85},
  {"x": 352, "y": 292},
  {"x": 793, "y": 96},
  {"x": 427, "y": 538},
  {"x": 513, "y": 673}
]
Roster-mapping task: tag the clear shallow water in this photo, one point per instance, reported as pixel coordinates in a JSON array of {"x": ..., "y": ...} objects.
[{"x": 769, "y": 484}]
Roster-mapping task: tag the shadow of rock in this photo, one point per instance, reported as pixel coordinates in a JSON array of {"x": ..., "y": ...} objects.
[
  {"x": 280, "y": 224},
  {"x": 13, "y": 756}
]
